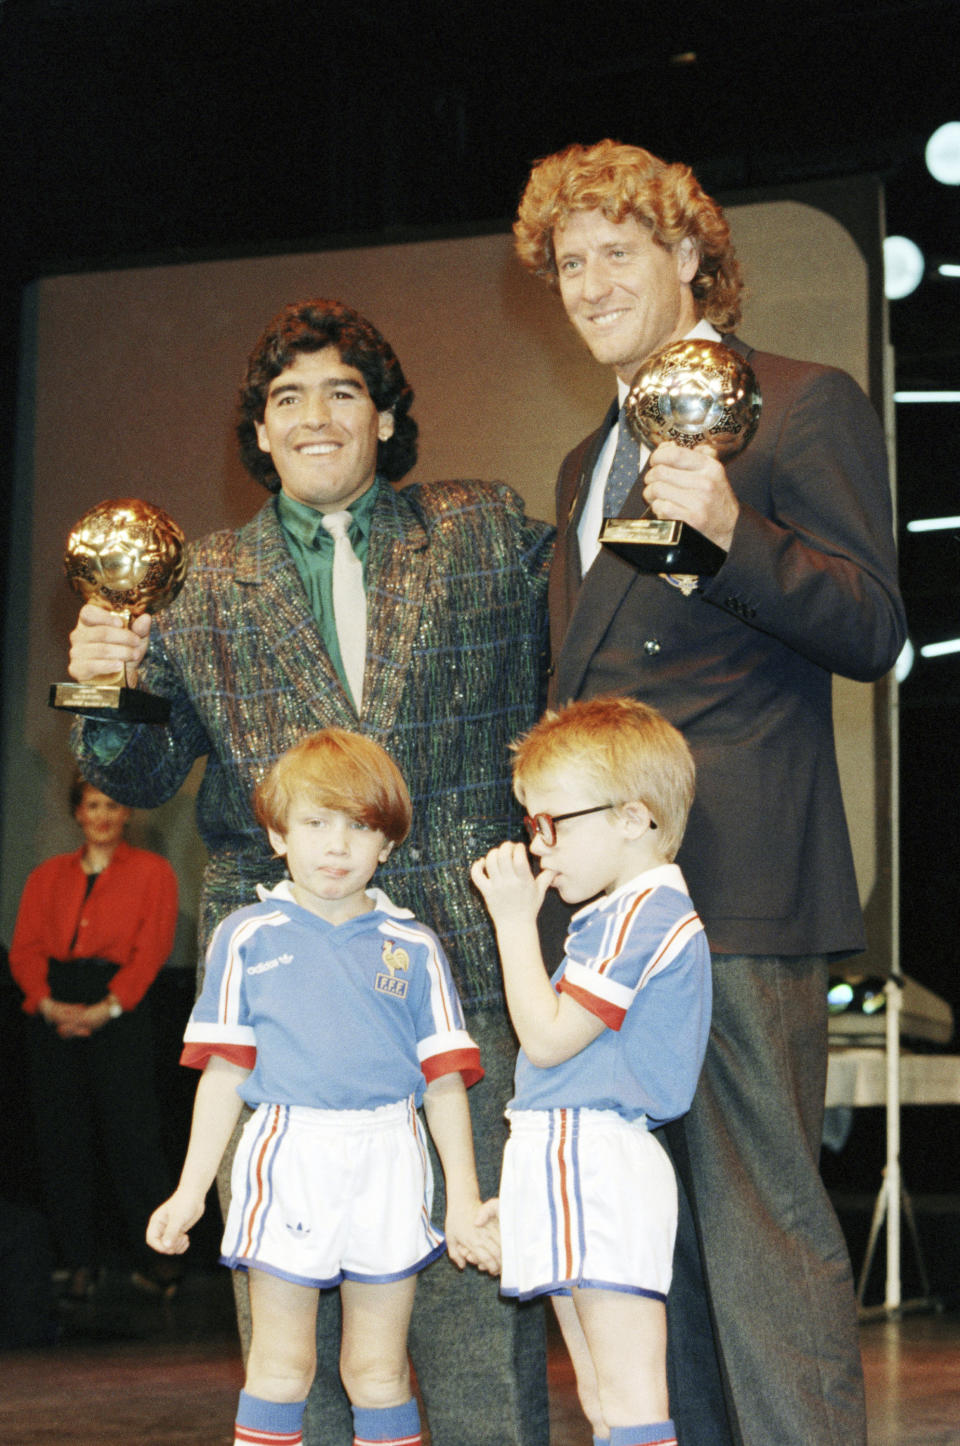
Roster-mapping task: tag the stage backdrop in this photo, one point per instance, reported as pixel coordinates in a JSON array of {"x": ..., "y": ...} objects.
[{"x": 128, "y": 387}]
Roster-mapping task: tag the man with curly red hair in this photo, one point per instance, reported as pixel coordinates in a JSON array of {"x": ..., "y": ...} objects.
[{"x": 742, "y": 663}]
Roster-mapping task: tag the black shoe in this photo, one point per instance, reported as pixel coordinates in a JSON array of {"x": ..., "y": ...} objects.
[
  {"x": 161, "y": 1278},
  {"x": 81, "y": 1284}
]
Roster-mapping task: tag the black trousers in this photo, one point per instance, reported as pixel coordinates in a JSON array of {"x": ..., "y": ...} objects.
[{"x": 96, "y": 1111}]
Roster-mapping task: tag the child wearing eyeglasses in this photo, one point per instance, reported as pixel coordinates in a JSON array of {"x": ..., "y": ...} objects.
[
  {"x": 333, "y": 1014},
  {"x": 611, "y": 1046}
]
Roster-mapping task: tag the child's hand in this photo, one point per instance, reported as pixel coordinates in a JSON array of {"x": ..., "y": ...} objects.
[
  {"x": 487, "y": 1220},
  {"x": 473, "y": 1236},
  {"x": 510, "y": 889},
  {"x": 489, "y": 1214},
  {"x": 168, "y": 1225}
]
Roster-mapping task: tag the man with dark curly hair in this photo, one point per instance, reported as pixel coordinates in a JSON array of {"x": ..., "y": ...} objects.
[
  {"x": 741, "y": 662},
  {"x": 250, "y": 657}
]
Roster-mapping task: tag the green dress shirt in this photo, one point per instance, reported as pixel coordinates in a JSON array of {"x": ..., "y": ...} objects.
[{"x": 311, "y": 548}]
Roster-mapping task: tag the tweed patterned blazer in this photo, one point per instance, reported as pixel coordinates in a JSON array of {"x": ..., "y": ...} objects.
[{"x": 456, "y": 642}]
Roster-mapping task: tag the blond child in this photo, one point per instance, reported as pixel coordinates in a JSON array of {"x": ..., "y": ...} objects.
[
  {"x": 611, "y": 1046},
  {"x": 333, "y": 1014}
]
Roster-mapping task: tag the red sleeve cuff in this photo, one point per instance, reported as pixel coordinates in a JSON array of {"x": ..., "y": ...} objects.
[
  {"x": 195, "y": 1056},
  {"x": 464, "y": 1061},
  {"x": 611, "y": 1014}
]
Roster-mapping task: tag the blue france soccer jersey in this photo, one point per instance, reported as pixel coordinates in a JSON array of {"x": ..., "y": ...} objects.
[
  {"x": 346, "y": 1016},
  {"x": 638, "y": 959}
]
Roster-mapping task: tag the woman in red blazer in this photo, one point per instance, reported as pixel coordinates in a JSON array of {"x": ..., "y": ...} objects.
[{"x": 93, "y": 930}]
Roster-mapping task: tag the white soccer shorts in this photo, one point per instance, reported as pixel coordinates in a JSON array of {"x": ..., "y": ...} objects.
[
  {"x": 587, "y": 1199},
  {"x": 319, "y": 1196}
]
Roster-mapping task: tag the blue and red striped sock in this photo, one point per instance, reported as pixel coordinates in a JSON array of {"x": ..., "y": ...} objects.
[
  {"x": 268, "y": 1423},
  {"x": 655, "y": 1433},
  {"x": 391, "y": 1426}
]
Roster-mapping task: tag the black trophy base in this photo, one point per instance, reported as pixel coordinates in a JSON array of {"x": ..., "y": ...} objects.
[
  {"x": 654, "y": 544},
  {"x": 109, "y": 702}
]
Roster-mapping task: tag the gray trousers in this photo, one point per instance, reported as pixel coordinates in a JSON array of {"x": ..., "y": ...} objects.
[
  {"x": 480, "y": 1360},
  {"x": 778, "y": 1276}
]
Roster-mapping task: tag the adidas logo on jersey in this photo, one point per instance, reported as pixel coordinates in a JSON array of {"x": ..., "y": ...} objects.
[{"x": 270, "y": 964}]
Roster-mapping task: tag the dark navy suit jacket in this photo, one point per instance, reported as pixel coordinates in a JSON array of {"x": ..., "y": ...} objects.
[{"x": 743, "y": 667}]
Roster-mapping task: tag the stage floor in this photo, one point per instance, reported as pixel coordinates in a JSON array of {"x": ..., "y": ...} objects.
[{"x": 133, "y": 1369}]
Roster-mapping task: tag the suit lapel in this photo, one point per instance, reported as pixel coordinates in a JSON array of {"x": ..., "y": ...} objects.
[
  {"x": 581, "y": 610},
  {"x": 573, "y": 487},
  {"x": 602, "y": 591},
  {"x": 398, "y": 568}
]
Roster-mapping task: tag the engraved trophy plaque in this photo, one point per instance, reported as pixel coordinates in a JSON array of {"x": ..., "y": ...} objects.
[
  {"x": 692, "y": 392},
  {"x": 125, "y": 556}
]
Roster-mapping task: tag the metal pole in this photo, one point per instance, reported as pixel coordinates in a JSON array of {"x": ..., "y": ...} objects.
[{"x": 891, "y": 1177}]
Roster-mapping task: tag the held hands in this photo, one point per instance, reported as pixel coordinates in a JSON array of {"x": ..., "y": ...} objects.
[
  {"x": 100, "y": 644},
  {"x": 510, "y": 889},
  {"x": 690, "y": 485},
  {"x": 473, "y": 1235},
  {"x": 168, "y": 1225}
]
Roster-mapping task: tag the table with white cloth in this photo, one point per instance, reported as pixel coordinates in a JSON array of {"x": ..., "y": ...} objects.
[{"x": 857, "y": 1077}]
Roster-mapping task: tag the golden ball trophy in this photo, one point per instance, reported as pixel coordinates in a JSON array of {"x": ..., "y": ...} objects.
[
  {"x": 125, "y": 556},
  {"x": 692, "y": 392}
]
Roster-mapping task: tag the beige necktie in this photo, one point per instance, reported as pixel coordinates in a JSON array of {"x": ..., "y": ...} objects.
[{"x": 349, "y": 604}]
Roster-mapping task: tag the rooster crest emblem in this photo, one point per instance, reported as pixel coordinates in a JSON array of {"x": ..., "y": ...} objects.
[{"x": 394, "y": 958}]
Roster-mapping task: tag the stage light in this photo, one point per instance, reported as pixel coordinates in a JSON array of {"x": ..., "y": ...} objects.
[
  {"x": 856, "y": 996},
  {"x": 903, "y": 267},
  {"x": 839, "y": 996},
  {"x": 941, "y": 650},
  {"x": 943, "y": 154},
  {"x": 933, "y": 524},
  {"x": 941, "y": 395}
]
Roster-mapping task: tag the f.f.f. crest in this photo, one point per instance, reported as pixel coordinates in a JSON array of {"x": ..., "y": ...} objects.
[{"x": 395, "y": 959}]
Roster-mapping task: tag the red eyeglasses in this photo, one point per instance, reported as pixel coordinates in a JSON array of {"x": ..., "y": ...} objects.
[{"x": 544, "y": 825}]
